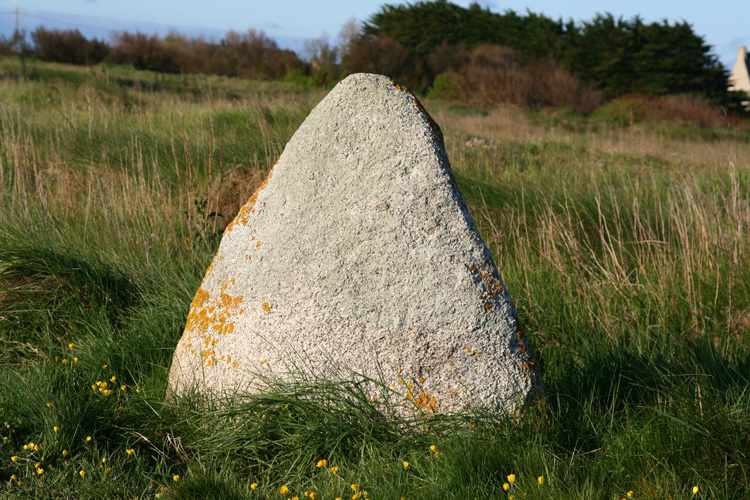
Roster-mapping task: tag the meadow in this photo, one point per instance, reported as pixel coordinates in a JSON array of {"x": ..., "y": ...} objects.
[{"x": 625, "y": 247}]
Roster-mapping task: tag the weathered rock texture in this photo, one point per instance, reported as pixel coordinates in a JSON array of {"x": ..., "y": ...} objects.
[{"x": 358, "y": 254}]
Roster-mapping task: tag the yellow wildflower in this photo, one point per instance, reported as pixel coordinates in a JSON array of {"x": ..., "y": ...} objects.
[
  {"x": 334, "y": 469},
  {"x": 130, "y": 451},
  {"x": 512, "y": 478},
  {"x": 82, "y": 473},
  {"x": 104, "y": 460},
  {"x": 313, "y": 495},
  {"x": 113, "y": 379},
  {"x": 438, "y": 454},
  {"x": 176, "y": 477},
  {"x": 104, "y": 366},
  {"x": 433, "y": 448},
  {"x": 14, "y": 477},
  {"x": 49, "y": 405},
  {"x": 253, "y": 486},
  {"x": 695, "y": 490},
  {"x": 36, "y": 447},
  {"x": 284, "y": 490},
  {"x": 295, "y": 498},
  {"x": 75, "y": 360},
  {"x": 88, "y": 438},
  {"x": 71, "y": 345},
  {"x": 36, "y": 465},
  {"x": 55, "y": 428},
  {"x": 355, "y": 487},
  {"x": 39, "y": 471},
  {"x": 630, "y": 494},
  {"x": 64, "y": 361},
  {"x": 540, "y": 479},
  {"x": 406, "y": 464},
  {"x": 108, "y": 470},
  {"x": 506, "y": 486},
  {"x": 321, "y": 464},
  {"x": 93, "y": 386},
  {"x": 14, "y": 458},
  {"x": 65, "y": 453},
  {"x": 357, "y": 496}
]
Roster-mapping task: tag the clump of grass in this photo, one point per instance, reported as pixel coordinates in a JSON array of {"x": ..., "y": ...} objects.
[{"x": 624, "y": 248}]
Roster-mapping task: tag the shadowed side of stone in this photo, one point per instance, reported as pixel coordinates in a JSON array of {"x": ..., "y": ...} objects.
[{"x": 358, "y": 256}]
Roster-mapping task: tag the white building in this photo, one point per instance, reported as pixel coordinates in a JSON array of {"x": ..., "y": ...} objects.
[{"x": 739, "y": 79}]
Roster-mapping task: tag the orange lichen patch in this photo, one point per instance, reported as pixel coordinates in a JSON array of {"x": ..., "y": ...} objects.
[
  {"x": 208, "y": 318},
  {"x": 492, "y": 287},
  {"x": 432, "y": 123},
  {"x": 421, "y": 380},
  {"x": 243, "y": 217},
  {"x": 227, "y": 284},
  {"x": 266, "y": 306},
  {"x": 423, "y": 400},
  {"x": 257, "y": 245}
]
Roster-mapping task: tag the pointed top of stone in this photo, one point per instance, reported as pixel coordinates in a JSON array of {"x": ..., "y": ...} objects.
[{"x": 358, "y": 256}]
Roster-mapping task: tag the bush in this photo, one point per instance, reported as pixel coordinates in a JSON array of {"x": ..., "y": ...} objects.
[
  {"x": 445, "y": 86},
  {"x": 144, "y": 52},
  {"x": 385, "y": 55},
  {"x": 67, "y": 46},
  {"x": 489, "y": 75},
  {"x": 682, "y": 109}
]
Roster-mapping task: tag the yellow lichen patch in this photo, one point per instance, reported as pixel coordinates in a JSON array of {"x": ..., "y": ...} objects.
[
  {"x": 243, "y": 217},
  {"x": 209, "y": 317},
  {"x": 266, "y": 306},
  {"x": 432, "y": 123},
  {"x": 423, "y": 400},
  {"x": 492, "y": 287}
]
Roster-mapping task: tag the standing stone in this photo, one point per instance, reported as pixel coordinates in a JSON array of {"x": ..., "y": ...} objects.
[{"x": 358, "y": 257}]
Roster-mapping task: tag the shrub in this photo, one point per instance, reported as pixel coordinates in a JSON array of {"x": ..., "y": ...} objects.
[
  {"x": 445, "y": 86},
  {"x": 683, "y": 109},
  {"x": 385, "y": 55},
  {"x": 489, "y": 75},
  {"x": 67, "y": 46}
]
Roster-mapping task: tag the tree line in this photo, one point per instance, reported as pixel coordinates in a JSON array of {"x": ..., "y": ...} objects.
[
  {"x": 246, "y": 55},
  {"x": 439, "y": 47},
  {"x": 612, "y": 56}
]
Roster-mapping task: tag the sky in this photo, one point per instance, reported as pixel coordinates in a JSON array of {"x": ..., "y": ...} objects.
[{"x": 723, "y": 23}]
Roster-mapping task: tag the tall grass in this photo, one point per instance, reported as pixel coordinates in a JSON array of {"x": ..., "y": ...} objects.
[{"x": 625, "y": 248}]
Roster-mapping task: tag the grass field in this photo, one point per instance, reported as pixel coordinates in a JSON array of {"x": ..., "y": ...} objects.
[{"x": 625, "y": 248}]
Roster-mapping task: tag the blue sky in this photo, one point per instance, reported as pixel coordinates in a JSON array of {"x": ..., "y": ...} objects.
[{"x": 723, "y": 23}]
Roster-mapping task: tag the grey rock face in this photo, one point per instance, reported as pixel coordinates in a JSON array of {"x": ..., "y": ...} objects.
[{"x": 358, "y": 256}]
